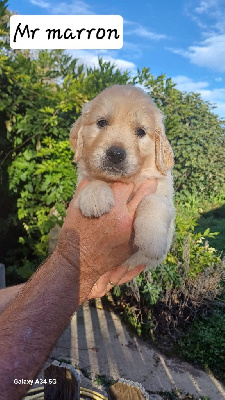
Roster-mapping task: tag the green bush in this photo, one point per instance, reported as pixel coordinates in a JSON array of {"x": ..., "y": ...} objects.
[
  {"x": 205, "y": 343},
  {"x": 41, "y": 202},
  {"x": 167, "y": 299}
]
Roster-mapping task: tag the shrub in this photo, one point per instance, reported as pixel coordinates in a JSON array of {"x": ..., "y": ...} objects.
[
  {"x": 41, "y": 203},
  {"x": 205, "y": 343},
  {"x": 166, "y": 300}
]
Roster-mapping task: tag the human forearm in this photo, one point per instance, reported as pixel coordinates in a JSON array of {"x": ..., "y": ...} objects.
[
  {"x": 87, "y": 249},
  {"x": 8, "y": 294},
  {"x": 33, "y": 322}
]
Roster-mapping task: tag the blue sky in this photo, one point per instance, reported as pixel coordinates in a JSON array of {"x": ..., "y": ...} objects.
[{"x": 183, "y": 38}]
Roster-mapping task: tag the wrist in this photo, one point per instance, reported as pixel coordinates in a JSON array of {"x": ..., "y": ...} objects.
[{"x": 77, "y": 270}]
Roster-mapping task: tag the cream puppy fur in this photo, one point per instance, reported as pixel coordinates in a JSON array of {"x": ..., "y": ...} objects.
[{"x": 120, "y": 136}]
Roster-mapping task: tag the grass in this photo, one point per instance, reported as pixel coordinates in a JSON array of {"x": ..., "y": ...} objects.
[
  {"x": 104, "y": 381},
  {"x": 204, "y": 343}
]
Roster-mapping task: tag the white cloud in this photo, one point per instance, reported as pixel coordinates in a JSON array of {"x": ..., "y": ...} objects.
[
  {"x": 212, "y": 11},
  {"x": 40, "y": 3},
  {"x": 208, "y": 15},
  {"x": 186, "y": 84},
  {"x": 145, "y": 33},
  {"x": 219, "y": 79},
  {"x": 214, "y": 96},
  {"x": 209, "y": 53},
  {"x": 123, "y": 65},
  {"x": 79, "y": 7},
  {"x": 90, "y": 59},
  {"x": 220, "y": 109},
  {"x": 139, "y": 30},
  {"x": 206, "y": 5}
]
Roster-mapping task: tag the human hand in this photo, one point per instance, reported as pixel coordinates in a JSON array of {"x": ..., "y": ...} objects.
[
  {"x": 116, "y": 276},
  {"x": 95, "y": 246}
]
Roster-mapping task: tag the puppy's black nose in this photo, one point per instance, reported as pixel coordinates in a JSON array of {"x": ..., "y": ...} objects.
[{"x": 116, "y": 154}]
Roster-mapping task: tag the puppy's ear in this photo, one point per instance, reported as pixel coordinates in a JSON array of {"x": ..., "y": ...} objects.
[
  {"x": 76, "y": 139},
  {"x": 163, "y": 152}
]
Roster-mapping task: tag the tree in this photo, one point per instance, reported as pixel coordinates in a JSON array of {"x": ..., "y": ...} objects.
[{"x": 197, "y": 136}]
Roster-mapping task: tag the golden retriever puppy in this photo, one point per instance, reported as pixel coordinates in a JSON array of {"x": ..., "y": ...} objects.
[{"x": 120, "y": 137}]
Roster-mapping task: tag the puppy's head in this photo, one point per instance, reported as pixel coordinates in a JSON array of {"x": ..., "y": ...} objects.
[{"x": 120, "y": 133}]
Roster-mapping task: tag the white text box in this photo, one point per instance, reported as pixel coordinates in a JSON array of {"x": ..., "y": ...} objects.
[{"x": 66, "y": 32}]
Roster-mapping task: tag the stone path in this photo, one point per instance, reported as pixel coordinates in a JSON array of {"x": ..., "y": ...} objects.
[{"x": 98, "y": 343}]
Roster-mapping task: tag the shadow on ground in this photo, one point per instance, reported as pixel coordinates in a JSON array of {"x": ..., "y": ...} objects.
[{"x": 99, "y": 344}]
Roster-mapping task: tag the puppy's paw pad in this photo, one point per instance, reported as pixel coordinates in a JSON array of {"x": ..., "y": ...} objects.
[{"x": 95, "y": 202}]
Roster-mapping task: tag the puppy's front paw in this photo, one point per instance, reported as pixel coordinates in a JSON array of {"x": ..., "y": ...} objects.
[{"x": 95, "y": 199}]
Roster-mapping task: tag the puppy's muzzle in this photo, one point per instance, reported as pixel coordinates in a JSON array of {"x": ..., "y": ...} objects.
[{"x": 115, "y": 154}]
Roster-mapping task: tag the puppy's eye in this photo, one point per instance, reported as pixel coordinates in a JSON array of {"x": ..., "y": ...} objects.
[
  {"x": 140, "y": 132},
  {"x": 102, "y": 123}
]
